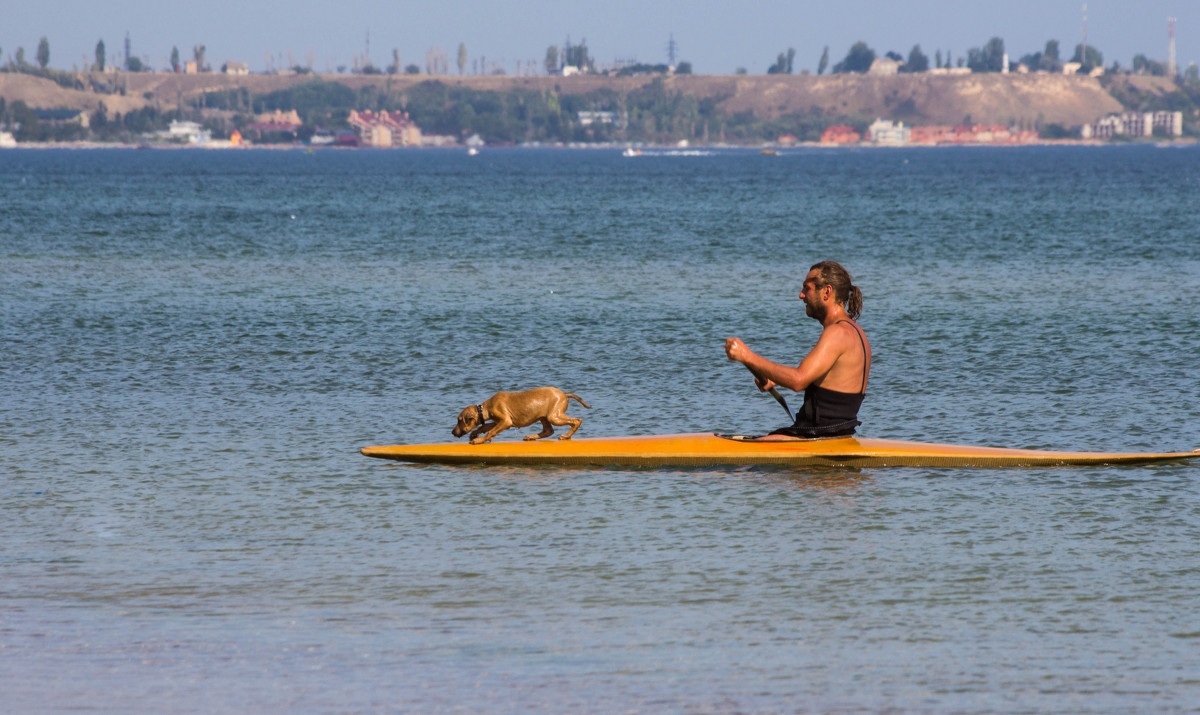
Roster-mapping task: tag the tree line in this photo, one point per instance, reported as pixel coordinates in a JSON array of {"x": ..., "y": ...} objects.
[
  {"x": 988, "y": 57},
  {"x": 858, "y": 59},
  {"x": 436, "y": 62}
]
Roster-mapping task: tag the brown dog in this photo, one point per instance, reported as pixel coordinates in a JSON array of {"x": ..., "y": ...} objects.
[{"x": 518, "y": 409}]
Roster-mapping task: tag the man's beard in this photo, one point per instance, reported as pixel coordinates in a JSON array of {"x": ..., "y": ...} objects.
[{"x": 815, "y": 310}]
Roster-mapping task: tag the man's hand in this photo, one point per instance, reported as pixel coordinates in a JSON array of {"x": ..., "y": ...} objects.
[
  {"x": 763, "y": 383},
  {"x": 736, "y": 350}
]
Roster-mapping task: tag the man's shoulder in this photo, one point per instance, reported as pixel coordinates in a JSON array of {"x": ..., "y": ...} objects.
[
  {"x": 844, "y": 326},
  {"x": 843, "y": 331}
]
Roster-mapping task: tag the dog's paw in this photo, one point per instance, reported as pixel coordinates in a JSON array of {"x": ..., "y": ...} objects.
[
  {"x": 564, "y": 436},
  {"x": 531, "y": 437},
  {"x": 479, "y": 440}
]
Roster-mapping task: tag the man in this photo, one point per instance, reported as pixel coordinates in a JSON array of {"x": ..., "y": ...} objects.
[{"x": 834, "y": 373}]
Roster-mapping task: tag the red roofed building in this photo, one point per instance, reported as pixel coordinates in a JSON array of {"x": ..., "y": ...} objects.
[
  {"x": 385, "y": 129},
  {"x": 279, "y": 122},
  {"x": 977, "y": 134},
  {"x": 840, "y": 134}
]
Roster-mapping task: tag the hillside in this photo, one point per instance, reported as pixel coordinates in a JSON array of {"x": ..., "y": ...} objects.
[
  {"x": 916, "y": 98},
  {"x": 922, "y": 98}
]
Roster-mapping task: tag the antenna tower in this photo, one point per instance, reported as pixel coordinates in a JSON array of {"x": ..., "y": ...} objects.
[
  {"x": 671, "y": 50},
  {"x": 1172, "y": 68},
  {"x": 1083, "y": 51}
]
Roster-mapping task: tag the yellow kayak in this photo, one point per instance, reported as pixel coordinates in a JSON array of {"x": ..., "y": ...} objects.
[{"x": 708, "y": 449}]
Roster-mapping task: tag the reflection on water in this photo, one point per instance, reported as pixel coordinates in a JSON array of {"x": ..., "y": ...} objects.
[
  {"x": 826, "y": 479},
  {"x": 831, "y": 481}
]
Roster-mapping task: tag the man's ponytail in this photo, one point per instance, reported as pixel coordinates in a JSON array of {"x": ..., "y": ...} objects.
[{"x": 854, "y": 303}]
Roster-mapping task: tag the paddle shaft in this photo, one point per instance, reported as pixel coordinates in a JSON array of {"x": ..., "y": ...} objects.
[
  {"x": 774, "y": 393},
  {"x": 779, "y": 398}
]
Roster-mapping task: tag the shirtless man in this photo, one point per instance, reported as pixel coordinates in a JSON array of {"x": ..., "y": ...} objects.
[{"x": 834, "y": 374}]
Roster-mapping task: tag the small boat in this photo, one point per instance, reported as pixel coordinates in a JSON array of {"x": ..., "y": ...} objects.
[
  {"x": 472, "y": 151},
  {"x": 322, "y": 137},
  {"x": 630, "y": 151},
  {"x": 714, "y": 449},
  {"x": 769, "y": 152}
]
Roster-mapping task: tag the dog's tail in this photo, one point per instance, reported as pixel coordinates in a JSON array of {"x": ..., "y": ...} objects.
[{"x": 578, "y": 399}]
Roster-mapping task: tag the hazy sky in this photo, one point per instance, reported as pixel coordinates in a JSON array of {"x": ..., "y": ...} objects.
[{"x": 716, "y": 37}]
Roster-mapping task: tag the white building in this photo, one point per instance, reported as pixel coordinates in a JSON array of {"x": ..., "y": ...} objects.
[
  {"x": 1170, "y": 122},
  {"x": 191, "y": 132},
  {"x": 884, "y": 66},
  {"x": 1134, "y": 124},
  {"x": 885, "y": 131},
  {"x": 588, "y": 118},
  {"x": 1127, "y": 124}
]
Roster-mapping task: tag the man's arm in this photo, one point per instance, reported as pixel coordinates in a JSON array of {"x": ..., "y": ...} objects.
[{"x": 816, "y": 364}]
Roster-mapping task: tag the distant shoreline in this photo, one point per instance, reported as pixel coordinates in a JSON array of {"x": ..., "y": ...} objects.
[{"x": 658, "y": 148}]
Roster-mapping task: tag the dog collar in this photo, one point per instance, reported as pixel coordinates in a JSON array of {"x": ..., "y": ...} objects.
[{"x": 479, "y": 409}]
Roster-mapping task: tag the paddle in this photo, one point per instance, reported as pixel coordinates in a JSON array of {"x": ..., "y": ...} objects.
[{"x": 774, "y": 393}]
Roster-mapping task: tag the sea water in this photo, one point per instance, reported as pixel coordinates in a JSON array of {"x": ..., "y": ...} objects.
[{"x": 194, "y": 345}]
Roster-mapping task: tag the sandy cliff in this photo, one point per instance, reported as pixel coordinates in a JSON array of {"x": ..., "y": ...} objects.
[{"x": 919, "y": 98}]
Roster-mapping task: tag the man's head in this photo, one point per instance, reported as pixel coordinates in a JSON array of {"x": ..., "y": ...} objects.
[{"x": 829, "y": 283}]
